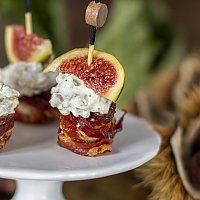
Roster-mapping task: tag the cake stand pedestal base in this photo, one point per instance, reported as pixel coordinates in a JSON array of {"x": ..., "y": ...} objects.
[
  {"x": 39, "y": 165},
  {"x": 38, "y": 190}
]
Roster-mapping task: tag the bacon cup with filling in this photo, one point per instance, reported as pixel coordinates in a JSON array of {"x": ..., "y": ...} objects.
[
  {"x": 8, "y": 103},
  {"x": 34, "y": 87},
  {"x": 85, "y": 96},
  {"x": 27, "y": 54}
]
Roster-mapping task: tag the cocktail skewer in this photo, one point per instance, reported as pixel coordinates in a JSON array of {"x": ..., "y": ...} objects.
[
  {"x": 28, "y": 18},
  {"x": 96, "y": 14}
]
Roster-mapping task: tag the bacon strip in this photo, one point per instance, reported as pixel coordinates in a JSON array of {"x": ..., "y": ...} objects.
[
  {"x": 6, "y": 123},
  {"x": 89, "y": 136},
  {"x": 36, "y": 109}
]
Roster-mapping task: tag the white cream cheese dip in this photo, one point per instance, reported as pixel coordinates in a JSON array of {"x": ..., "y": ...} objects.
[
  {"x": 8, "y": 100},
  {"x": 71, "y": 95},
  {"x": 27, "y": 77}
]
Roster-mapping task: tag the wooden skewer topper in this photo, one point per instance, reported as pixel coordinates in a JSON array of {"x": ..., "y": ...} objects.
[{"x": 96, "y": 14}]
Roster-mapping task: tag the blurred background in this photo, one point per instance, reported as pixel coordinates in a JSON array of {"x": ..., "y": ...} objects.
[{"x": 147, "y": 36}]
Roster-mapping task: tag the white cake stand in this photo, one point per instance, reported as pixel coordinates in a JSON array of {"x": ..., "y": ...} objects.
[{"x": 33, "y": 158}]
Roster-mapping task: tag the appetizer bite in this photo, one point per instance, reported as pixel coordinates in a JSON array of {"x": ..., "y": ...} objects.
[
  {"x": 8, "y": 103},
  {"x": 27, "y": 54},
  {"x": 85, "y": 95}
]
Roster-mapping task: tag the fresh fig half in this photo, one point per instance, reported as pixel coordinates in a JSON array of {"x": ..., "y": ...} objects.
[
  {"x": 105, "y": 75},
  {"x": 26, "y": 47}
]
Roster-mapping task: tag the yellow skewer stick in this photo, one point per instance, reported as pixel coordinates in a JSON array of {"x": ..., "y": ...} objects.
[
  {"x": 90, "y": 54},
  {"x": 28, "y": 23}
]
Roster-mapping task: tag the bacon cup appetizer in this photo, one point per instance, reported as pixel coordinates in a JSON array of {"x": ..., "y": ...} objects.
[
  {"x": 8, "y": 103},
  {"x": 34, "y": 88},
  {"x": 27, "y": 54},
  {"x": 85, "y": 96}
]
